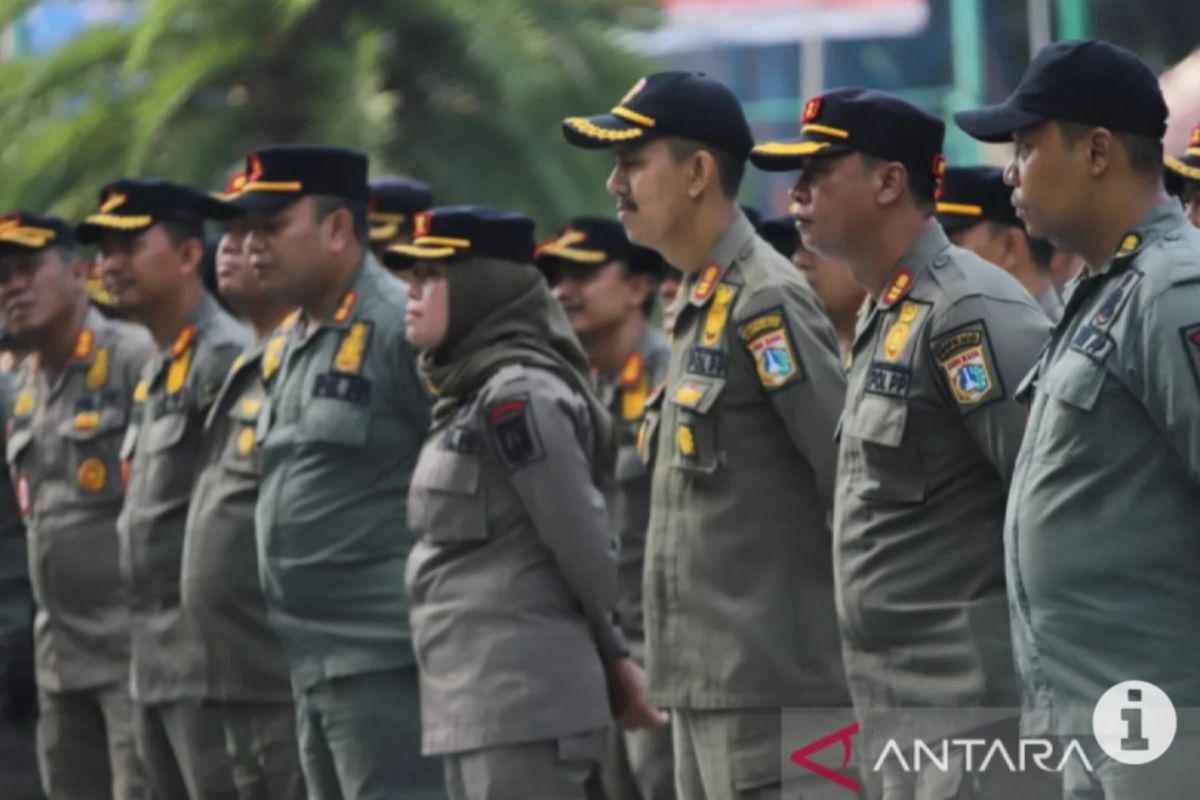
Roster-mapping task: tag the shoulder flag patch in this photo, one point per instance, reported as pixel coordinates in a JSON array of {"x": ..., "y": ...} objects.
[
  {"x": 768, "y": 340},
  {"x": 965, "y": 358},
  {"x": 514, "y": 431}
]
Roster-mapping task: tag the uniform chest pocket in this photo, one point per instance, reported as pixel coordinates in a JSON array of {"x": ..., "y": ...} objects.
[
  {"x": 94, "y": 440},
  {"x": 241, "y": 455},
  {"x": 694, "y": 425},
  {"x": 164, "y": 432},
  {"x": 336, "y": 422},
  {"x": 447, "y": 504},
  {"x": 1071, "y": 425},
  {"x": 882, "y": 465}
]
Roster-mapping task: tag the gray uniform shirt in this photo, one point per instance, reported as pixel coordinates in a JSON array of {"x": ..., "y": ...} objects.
[
  {"x": 628, "y": 495},
  {"x": 64, "y": 449},
  {"x": 163, "y": 444},
  {"x": 927, "y": 445},
  {"x": 16, "y": 604},
  {"x": 339, "y": 434},
  {"x": 738, "y": 585},
  {"x": 1101, "y": 531},
  {"x": 221, "y": 592},
  {"x": 513, "y": 571}
]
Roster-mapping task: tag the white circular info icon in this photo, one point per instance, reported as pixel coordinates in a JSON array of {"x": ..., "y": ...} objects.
[{"x": 1134, "y": 722}]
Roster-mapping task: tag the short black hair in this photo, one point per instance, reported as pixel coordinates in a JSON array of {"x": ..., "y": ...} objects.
[
  {"x": 325, "y": 205},
  {"x": 730, "y": 168},
  {"x": 647, "y": 305},
  {"x": 921, "y": 188},
  {"x": 1145, "y": 154}
]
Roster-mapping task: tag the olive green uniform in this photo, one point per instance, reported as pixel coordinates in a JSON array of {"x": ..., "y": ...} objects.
[
  {"x": 221, "y": 594},
  {"x": 927, "y": 445},
  {"x": 512, "y": 579},
  {"x": 65, "y": 451},
  {"x": 1100, "y": 535},
  {"x": 339, "y": 433},
  {"x": 181, "y": 740},
  {"x": 739, "y": 605},
  {"x": 638, "y": 764}
]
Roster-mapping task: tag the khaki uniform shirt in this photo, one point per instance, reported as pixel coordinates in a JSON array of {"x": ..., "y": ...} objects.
[
  {"x": 221, "y": 591},
  {"x": 339, "y": 432},
  {"x": 738, "y": 586},
  {"x": 162, "y": 445},
  {"x": 927, "y": 445},
  {"x": 628, "y": 495},
  {"x": 514, "y": 569},
  {"x": 1101, "y": 532},
  {"x": 64, "y": 449}
]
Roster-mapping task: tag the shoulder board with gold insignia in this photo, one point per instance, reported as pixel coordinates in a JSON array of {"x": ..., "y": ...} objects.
[
  {"x": 178, "y": 371},
  {"x": 141, "y": 392},
  {"x": 24, "y": 405},
  {"x": 183, "y": 341},
  {"x": 97, "y": 376},
  {"x": 631, "y": 372},
  {"x": 899, "y": 287},
  {"x": 85, "y": 340},
  {"x": 706, "y": 283},
  {"x": 353, "y": 348},
  {"x": 718, "y": 315},
  {"x": 347, "y": 307}
]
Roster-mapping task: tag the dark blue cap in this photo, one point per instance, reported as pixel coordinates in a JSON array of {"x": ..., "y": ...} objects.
[
  {"x": 971, "y": 195},
  {"x": 1089, "y": 82},
  {"x": 684, "y": 104},
  {"x": 596, "y": 241},
  {"x": 393, "y": 202},
  {"x": 279, "y": 175},
  {"x": 853, "y": 120},
  {"x": 456, "y": 232},
  {"x": 132, "y": 205},
  {"x": 21, "y": 231}
]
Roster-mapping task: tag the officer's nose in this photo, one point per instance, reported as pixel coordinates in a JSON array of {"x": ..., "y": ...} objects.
[
  {"x": 1011, "y": 175},
  {"x": 616, "y": 183}
]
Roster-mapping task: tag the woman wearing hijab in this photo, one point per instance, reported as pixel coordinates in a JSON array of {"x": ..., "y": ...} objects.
[{"x": 512, "y": 579}]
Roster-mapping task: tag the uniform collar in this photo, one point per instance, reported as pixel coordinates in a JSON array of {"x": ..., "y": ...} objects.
[
  {"x": 1164, "y": 217},
  {"x": 923, "y": 253},
  {"x": 699, "y": 287}
]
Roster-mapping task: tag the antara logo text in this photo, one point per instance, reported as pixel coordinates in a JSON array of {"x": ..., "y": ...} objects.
[{"x": 978, "y": 755}]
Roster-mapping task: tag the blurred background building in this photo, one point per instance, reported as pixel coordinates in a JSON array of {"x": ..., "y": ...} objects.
[{"x": 467, "y": 93}]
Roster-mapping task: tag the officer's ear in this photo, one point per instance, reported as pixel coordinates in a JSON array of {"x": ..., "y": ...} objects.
[
  {"x": 702, "y": 172},
  {"x": 891, "y": 183},
  {"x": 1014, "y": 246},
  {"x": 1101, "y": 150},
  {"x": 191, "y": 252}
]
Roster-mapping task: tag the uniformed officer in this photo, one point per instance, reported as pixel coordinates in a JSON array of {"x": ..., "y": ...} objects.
[
  {"x": 739, "y": 444},
  {"x": 513, "y": 578},
  {"x": 834, "y": 286},
  {"x": 73, "y": 401},
  {"x": 1100, "y": 534},
  {"x": 607, "y": 288},
  {"x": 391, "y": 207},
  {"x": 150, "y": 234},
  {"x": 1183, "y": 175},
  {"x": 930, "y": 428},
  {"x": 339, "y": 433},
  {"x": 18, "y": 690},
  {"x": 976, "y": 212},
  {"x": 220, "y": 587}
]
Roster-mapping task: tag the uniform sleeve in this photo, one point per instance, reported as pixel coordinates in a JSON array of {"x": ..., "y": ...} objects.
[
  {"x": 1166, "y": 376},
  {"x": 538, "y": 437},
  {"x": 792, "y": 346},
  {"x": 980, "y": 350},
  {"x": 136, "y": 350},
  {"x": 212, "y": 374}
]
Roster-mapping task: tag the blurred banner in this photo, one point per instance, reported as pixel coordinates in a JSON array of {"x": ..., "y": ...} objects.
[{"x": 691, "y": 25}]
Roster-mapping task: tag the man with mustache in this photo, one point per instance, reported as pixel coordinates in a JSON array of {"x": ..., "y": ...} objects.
[{"x": 738, "y": 443}]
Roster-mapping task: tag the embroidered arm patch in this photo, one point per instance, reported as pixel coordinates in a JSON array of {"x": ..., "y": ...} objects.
[
  {"x": 1191, "y": 343},
  {"x": 769, "y": 341},
  {"x": 515, "y": 432},
  {"x": 965, "y": 358}
]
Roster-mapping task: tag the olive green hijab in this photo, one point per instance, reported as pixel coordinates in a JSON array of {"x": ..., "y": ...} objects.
[{"x": 501, "y": 313}]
